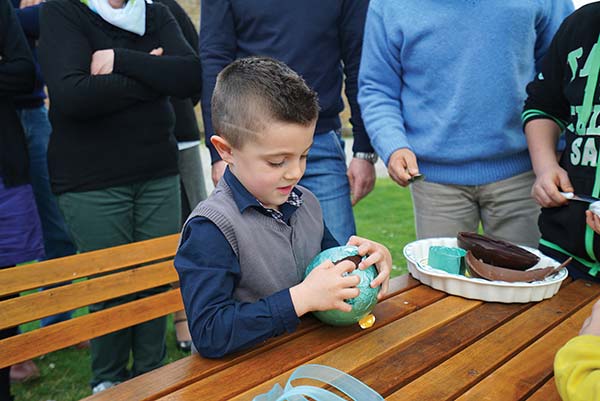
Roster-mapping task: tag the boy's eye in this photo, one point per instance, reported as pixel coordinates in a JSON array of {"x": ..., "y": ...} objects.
[
  {"x": 276, "y": 164},
  {"x": 304, "y": 156}
]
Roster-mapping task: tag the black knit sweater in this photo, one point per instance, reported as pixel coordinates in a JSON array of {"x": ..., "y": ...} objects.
[
  {"x": 565, "y": 89},
  {"x": 115, "y": 129},
  {"x": 17, "y": 75}
]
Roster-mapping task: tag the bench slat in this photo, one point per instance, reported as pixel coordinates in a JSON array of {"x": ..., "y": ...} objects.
[
  {"x": 52, "y": 301},
  {"x": 70, "y": 332},
  {"x": 26, "y": 277}
]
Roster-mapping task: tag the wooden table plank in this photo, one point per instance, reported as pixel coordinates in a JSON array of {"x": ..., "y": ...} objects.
[
  {"x": 531, "y": 368},
  {"x": 368, "y": 348},
  {"x": 547, "y": 392},
  {"x": 453, "y": 377},
  {"x": 397, "y": 369},
  {"x": 182, "y": 373}
]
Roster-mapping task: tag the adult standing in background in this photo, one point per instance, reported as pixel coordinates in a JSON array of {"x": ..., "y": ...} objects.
[
  {"x": 442, "y": 85},
  {"x": 193, "y": 188},
  {"x": 20, "y": 231},
  {"x": 112, "y": 156},
  {"x": 322, "y": 42},
  {"x": 34, "y": 119}
]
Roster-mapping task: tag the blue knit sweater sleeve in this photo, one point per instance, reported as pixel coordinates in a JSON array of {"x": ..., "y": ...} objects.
[
  {"x": 548, "y": 24},
  {"x": 380, "y": 87}
]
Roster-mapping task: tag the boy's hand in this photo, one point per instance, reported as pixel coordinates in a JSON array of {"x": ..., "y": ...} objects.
[
  {"x": 592, "y": 220},
  {"x": 379, "y": 255},
  {"x": 591, "y": 325},
  {"x": 326, "y": 288},
  {"x": 547, "y": 185}
]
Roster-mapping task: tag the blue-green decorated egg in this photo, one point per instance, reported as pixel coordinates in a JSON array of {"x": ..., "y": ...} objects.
[{"x": 361, "y": 305}]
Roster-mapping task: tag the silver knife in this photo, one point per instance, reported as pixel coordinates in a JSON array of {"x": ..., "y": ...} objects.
[{"x": 581, "y": 198}]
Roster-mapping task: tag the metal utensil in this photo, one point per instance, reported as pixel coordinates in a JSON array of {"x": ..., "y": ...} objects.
[
  {"x": 416, "y": 177},
  {"x": 581, "y": 198}
]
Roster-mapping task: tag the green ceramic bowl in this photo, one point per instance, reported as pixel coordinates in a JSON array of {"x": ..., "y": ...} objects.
[{"x": 361, "y": 305}]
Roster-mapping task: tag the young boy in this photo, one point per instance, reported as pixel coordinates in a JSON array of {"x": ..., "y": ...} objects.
[
  {"x": 564, "y": 97},
  {"x": 244, "y": 250}
]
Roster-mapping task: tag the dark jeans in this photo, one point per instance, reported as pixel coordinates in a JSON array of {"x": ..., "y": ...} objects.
[{"x": 57, "y": 242}]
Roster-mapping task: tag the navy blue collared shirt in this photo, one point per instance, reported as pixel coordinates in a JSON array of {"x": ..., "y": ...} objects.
[{"x": 209, "y": 272}]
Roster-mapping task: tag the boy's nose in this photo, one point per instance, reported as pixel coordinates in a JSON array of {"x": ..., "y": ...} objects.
[{"x": 295, "y": 171}]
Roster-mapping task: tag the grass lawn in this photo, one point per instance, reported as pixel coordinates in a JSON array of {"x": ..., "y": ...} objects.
[{"x": 385, "y": 216}]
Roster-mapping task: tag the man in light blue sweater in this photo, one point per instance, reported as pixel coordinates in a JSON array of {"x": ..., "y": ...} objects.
[{"x": 441, "y": 88}]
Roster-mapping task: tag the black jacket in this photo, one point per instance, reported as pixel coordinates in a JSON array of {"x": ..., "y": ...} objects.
[
  {"x": 17, "y": 76},
  {"x": 559, "y": 94},
  {"x": 186, "y": 124},
  {"x": 115, "y": 129}
]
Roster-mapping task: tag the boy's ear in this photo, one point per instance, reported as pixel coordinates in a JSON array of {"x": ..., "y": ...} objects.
[{"x": 223, "y": 147}]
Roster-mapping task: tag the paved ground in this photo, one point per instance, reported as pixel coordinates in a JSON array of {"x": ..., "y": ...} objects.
[{"x": 205, "y": 156}]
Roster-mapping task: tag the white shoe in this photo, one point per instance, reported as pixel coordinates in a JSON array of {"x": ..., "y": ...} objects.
[{"x": 103, "y": 386}]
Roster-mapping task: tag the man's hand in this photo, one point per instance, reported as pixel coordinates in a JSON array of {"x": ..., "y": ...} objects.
[
  {"x": 361, "y": 174},
  {"x": 547, "y": 185},
  {"x": 217, "y": 170},
  {"x": 29, "y": 3},
  {"x": 402, "y": 166},
  {"x": 103, "y": 62}
]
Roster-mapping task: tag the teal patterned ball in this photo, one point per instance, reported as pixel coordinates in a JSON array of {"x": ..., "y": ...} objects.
[{"x": 361, "y": 305}]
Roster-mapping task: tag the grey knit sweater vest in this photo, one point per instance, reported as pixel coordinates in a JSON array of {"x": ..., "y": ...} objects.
[{"x": 272, "y": 254}]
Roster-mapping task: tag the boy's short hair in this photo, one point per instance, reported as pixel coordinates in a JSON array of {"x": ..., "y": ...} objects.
[{"x": 253, "y": 91}]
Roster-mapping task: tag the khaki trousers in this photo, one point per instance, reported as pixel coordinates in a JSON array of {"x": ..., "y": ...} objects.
[{"x": 504, "y": 208}]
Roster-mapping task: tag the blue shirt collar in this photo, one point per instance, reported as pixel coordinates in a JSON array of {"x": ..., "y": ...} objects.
[{"x": 244, "y": 199}]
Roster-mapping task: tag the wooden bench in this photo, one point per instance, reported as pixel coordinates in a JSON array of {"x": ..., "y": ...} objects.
[{"x": 107, "y": 274}]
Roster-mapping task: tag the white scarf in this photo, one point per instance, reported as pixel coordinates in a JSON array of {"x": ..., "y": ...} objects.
[{"x": 132, "y": 17}]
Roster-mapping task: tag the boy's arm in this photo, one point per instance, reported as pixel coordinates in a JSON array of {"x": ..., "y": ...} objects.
[
  {"x": 545, "y": 115},
  {"x": 209, "y": 271},
  {"x": 218, "y": 44},
  {"x": 328, "y": 240}
]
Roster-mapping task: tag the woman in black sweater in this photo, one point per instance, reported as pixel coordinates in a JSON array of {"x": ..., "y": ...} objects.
[
  {"x": 20, "y": 230},
  {"x": 112, "y": 156}
]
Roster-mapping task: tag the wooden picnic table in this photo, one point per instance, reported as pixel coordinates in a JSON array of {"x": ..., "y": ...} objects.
[{"x": 425, "y": 345}]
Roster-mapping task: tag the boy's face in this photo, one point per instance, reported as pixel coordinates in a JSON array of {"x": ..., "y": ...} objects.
[{"x": 271, "y": 164}]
